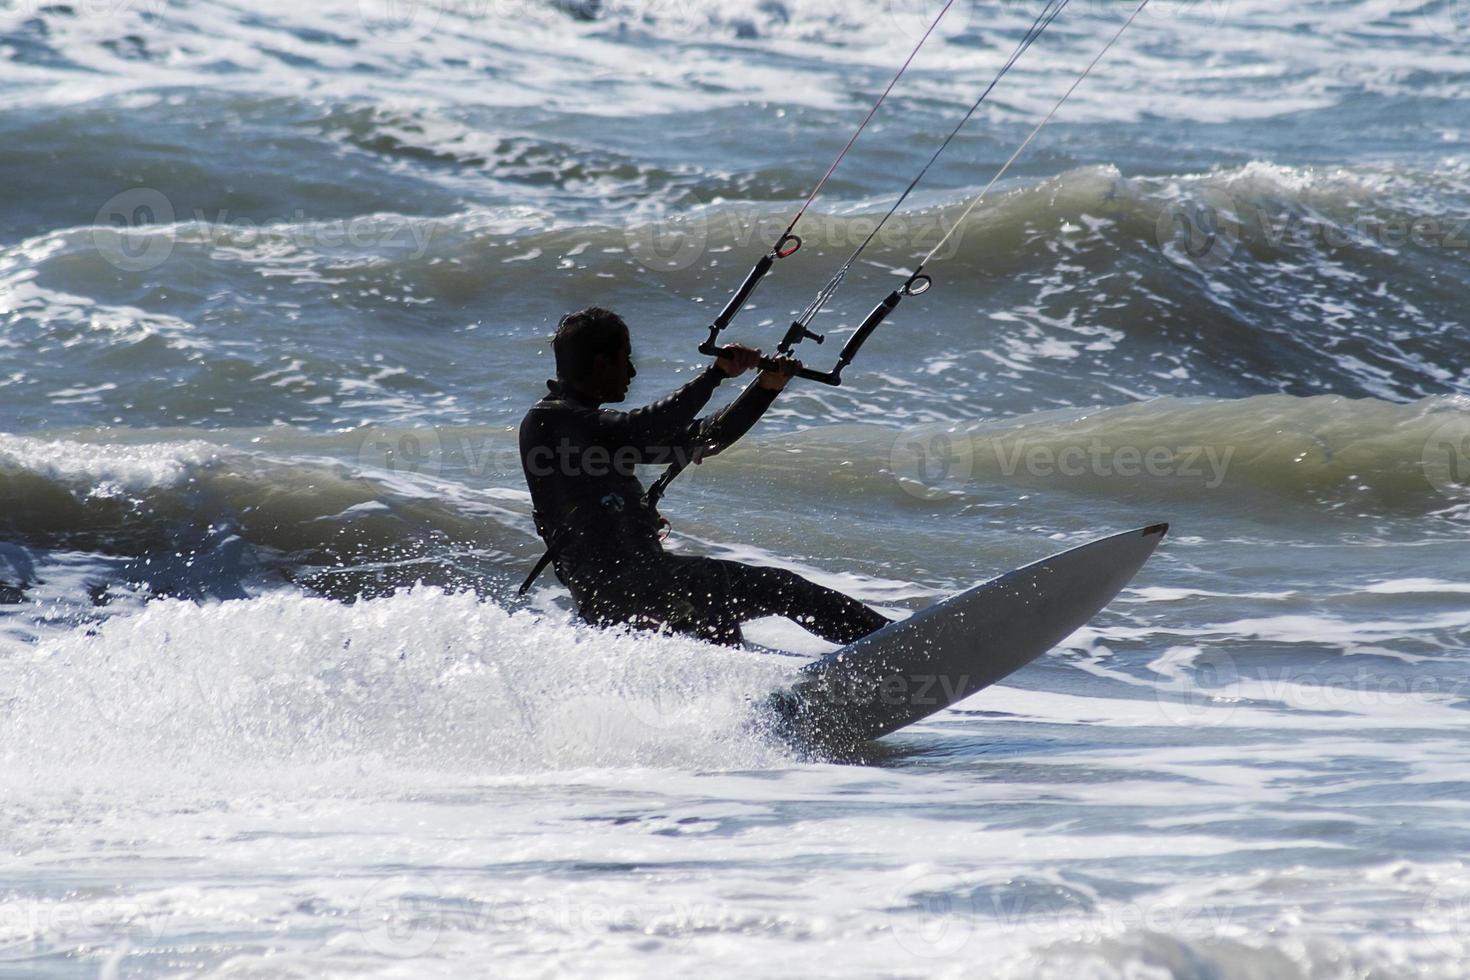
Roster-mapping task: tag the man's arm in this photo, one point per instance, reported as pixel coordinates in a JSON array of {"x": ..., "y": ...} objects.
[
  {"x": 660, "y": 424},
  {"x": 670, "y": 422},
  {"x": 727, "y": 426}
]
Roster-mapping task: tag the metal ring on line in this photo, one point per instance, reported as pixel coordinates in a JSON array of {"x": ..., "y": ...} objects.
[{"x": 918, "y": 285}]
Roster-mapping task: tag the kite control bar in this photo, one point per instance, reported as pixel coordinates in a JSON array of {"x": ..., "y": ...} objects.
[
  {"x": 918, "y": 283},
  {"x": 785, "y": 248}
]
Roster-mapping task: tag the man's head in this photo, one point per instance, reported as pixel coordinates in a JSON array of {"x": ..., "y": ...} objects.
[{"x": 594, "y": 354}]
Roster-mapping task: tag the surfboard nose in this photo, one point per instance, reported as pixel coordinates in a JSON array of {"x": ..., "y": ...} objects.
[{"x": 954, "y": 648}]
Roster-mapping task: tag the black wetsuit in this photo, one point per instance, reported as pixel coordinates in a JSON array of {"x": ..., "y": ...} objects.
[{"x": 579, "y": 461}]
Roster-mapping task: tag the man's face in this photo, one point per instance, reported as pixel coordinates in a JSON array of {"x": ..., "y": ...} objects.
[{"x": 613, "y": 374}]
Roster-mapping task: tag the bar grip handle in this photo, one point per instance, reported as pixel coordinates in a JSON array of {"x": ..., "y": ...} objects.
[
  {"x": 768, "y": 364},
  {"x": 742, "y": 295},
  {"x": 873, "y": 322}
]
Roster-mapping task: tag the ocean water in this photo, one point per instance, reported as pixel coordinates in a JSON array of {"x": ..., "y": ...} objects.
[{"x": 277, "y": 283}]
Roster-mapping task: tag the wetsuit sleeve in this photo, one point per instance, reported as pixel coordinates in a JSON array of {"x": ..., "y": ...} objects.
[
  {"x": 726, "y": 426},
  {"x": 652, "y": 430}
]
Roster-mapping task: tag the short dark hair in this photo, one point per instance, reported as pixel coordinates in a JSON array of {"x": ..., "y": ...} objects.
[{"x": 583, "y": 335}]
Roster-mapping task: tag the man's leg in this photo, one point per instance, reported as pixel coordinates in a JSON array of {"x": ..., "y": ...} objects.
[
  {"x": 728, "y": 591},
  {"x": 653, "y": 594}
]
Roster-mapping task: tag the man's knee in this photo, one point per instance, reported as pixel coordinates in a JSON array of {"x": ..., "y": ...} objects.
[
  {"x": 739, "y": 576},
  {"x": 670, "y": 611}
]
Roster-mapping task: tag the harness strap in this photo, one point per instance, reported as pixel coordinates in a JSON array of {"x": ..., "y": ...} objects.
[{"x": 554, "y": 548}]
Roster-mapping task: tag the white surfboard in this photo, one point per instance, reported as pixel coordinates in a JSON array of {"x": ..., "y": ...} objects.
[{"x": 954, "y": 648}]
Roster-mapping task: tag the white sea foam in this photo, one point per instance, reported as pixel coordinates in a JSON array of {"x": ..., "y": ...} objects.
[
  {"x": 710, "y": 52},
  {"x": 105, "y": 469},
  {"x": 422, "y": 680},
  {"x": 1251, "y": 766}
]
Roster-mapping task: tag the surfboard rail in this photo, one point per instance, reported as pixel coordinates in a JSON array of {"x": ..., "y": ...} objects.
[{"x": 958, "y": 646}]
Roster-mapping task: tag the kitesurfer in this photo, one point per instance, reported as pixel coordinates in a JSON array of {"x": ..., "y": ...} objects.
[{"x": 604, "y": 537}]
